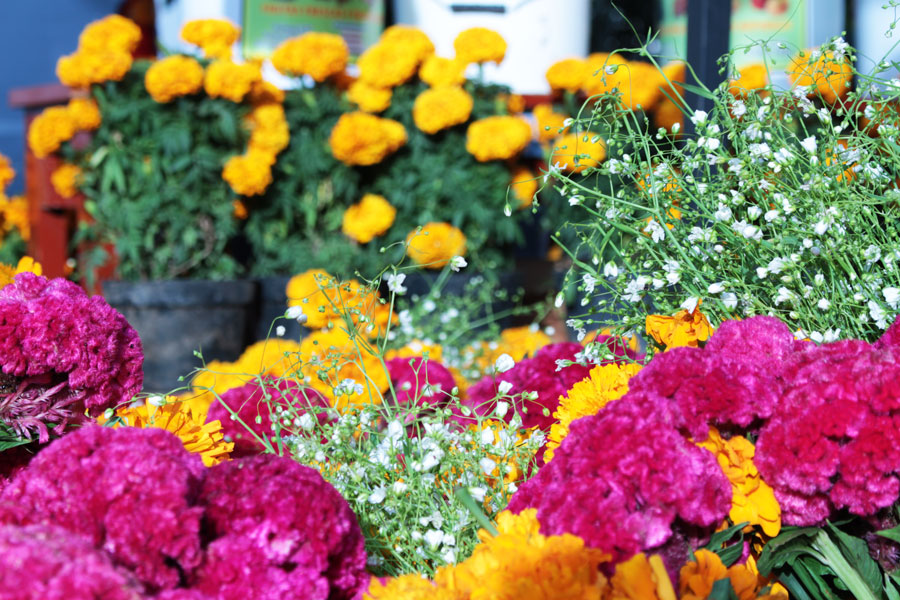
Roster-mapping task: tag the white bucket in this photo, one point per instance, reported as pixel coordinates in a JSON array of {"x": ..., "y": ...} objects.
[{"x": 538, "y": 33}]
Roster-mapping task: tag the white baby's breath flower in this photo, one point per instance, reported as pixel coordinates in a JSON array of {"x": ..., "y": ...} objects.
[
  {"x": 690, "y": 304},
  {"x": 891, "y": 296},
  {"x": 729, "y": 300},
  {"x": 280, "y": 331},
  {"x": 716, "y": 288},
  {"x": 504, "y": 363},
  {"x": 809, "y": 144},
  {"x": 504, "y": 387},
  {"x": 395, "y": 283},
  {"x": 296, "y": 313},
  {"x": 457, "y": 263},
  {"x": 378, "y": 495},
  {"x": 824, "y": 304}
]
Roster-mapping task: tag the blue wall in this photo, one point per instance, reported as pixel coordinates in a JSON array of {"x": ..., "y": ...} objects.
[{"x": 33, "y": 35}]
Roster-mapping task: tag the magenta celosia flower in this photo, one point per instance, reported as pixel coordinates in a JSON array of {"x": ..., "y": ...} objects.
[
  {"x": 131, "y": 492},
  {"x": 252, "y": 401},
  {"x": 39, "y": 563},
  {"x": 420, "y": 381},
  {"x": 62, "y": 353},
  {"x": 541, "y": 374},
  {"x": 625, "y": 481},
  {"x": 279, "y": 531}
]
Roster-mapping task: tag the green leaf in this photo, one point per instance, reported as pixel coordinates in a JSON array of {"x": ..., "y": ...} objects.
[
  {"x": 891, "y": 534},
  {"x": 703, "y": 93},
  {"x": 857, "y": 553},
  {"x": 722, "y": 590},
  {"x": 784, "y": 548}
]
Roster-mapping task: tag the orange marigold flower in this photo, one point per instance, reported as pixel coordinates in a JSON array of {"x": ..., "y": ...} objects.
[
  {"x": 575, "y": 152},
  {"x": 439, "y": 108},
  {"x": 173, "y": 76},
  {"x": 14, "y": 215},
  {"x": 819, "y": 70},
  {"x": 641, "y": 578},
  {"x": 263, "y": 92},
  {"x": 697, "y": 577},
  {"x": 413, "y": 39},
  {"x": 686, "y": 328},
  {"x": 65, "y": 179},
  {"x": 603, "y": 384},
  {"x": 520, "y": 562},
  {"x": 480, "y": 45},
  {"x": 231, "y": 81},
  {"x": 751, "y": 78},
  {"x": 640, "y": 85},
  {"x": 435, "y": 244},
  {"x": 440, "y": 72},
  {"x": 497, "y": 138},
  {"x": 7, "y": 173},
  {"x": 387, "y": 64},
  {"x": 249, "y": 174},
  {"x": 550, "y": 124},
  {"x": 85, "y": 113},
  {"x": 667, "y": 114},
  {"x": 26, "y": 265},
  {"x": 214, "y": 36},
  {"x": 371, "y": 217},
  {"x": 524, "y": 186},
  {"x": 49, "y": 130},
  {"x": 330, "y": 357},
  {"x": 239, "y": 210},
  {"x": 113, "y": 33},
  {"x": 273, "y": 356},
  {"x": 568, "y": 74},
  {"x": 319, "y": 55},
  {"x": 603, "y": 74},
  {"x": 753, "y": 500},
  {"x": 309, "y": 290},
  {"x": 270, "y": 132},
  {"x": 84, "y": 68},
  {"x": 515, "y": 103},
  {"x": 369, "y": 98},
  {"x": 359, "y": 138},
  {"x": 407, "y": 587}
]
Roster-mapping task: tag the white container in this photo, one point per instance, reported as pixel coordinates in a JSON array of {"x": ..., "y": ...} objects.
[{"x": 538, "y": 33}]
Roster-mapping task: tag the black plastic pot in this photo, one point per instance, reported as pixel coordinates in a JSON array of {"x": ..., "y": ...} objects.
[
  {"x": 175, "y": 318},
  {"x": 271, "y": 305}
]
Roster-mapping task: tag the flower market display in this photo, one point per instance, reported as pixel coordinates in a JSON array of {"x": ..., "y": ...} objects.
[{"x": 718, "y": 421}]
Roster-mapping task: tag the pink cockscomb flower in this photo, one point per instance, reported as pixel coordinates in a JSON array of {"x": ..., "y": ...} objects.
[
  {"x": 61, "y": 353},
  {"x": 39, "y": 562},
  {"x": 254, "y": 406},
  {"x": 131, "y": 492},
  {"x": 542, "y": 375},
  {"x": 278, "y": 531},
  {"x": 625, "y": 481},
  {"x": 420, "y": 381}
]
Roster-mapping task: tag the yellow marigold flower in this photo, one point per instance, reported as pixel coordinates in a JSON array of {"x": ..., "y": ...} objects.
[
  {"x": 173, "y": 76},
  {"x": 14, "y": 215},
  {"x": 319, "y": 55},
  {"x": 549, "y": 124},
  {"x": 667, "y": 114},
  {"x": 604, "y": 73},
  {"x": 520, "y": 563},
  {"x": 249, "y": 174},
  {"x": 359, "y": 138},
  {"x": 111, "y": 33},
  {"x": 641, "y": 578},
  {"x": 214, "y": 36},
  {"x": 697, "y": 577},
  {"x": 270, "y": 132},
  {"x": 49, "y": 130},
  {"x": 387, "y": 64},
  {"x": 686, "y": 328},
  {"x": 604, "y": 384},
  {"x": 84, "y": 68},
  {"x": 330, "y": 357},
  {"x": 369, "y": 98},
  {"x": 568, "y": 74},
  {"x": 85, "y": 113},
  {"x": 828, "y": 76},
  {"x": 65, "y": 179},
  {"x": 371, "y": 217},
  {"x": 309, "y": 290},
  {"x": 7, "y": 173},
  {"x": 752, "y": 77},
  {"x": 26, "y": 265},
  {"x": 185, "y": 419},
  {"x": 274, "y": 356},
  {"x": 263, "y": 92},
  {"x": 640, "y": 85},
  {"x": 439, "y": 108},
  {"x": 407, "y": 587},
  {"x": 231, "y": 81},
  {"x": 480, "y": 45},
  {"x": 524, "y": 341},
  {"x": 753, "y": 500},
  {"x": 217, "y": 378},
  {"x": 415, "y": 349},
  {"x": 524, "y": 186},
  {"x": 413, "y": 39},
  {"x": 515, "y": 103},
  {"x": 440, "y": 72},
  {"x": 497, "y": 138},
  {"x": 435, "y": 245},
  {"x": 575, "y": 152}
]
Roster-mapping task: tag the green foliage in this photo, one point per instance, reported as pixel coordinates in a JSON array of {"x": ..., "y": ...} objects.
[
  {"x": 152, "y": 178},
  {"x": 12, "y": 248},
  {"x": 296, "y": 224}
]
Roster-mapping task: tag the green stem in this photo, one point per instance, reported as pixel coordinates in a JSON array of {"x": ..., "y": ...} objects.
[{"x": 836, "y": 561}]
